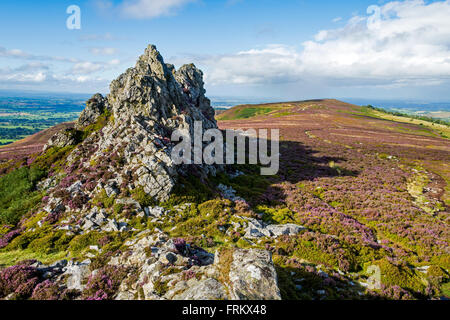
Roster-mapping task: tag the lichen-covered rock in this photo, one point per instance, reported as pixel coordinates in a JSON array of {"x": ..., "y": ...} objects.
[
  {"x": 209, "y": 289},
  {"x": 251, "y": 275},
  {"x": 134, "y": 125},
  {"x": 63, "y": 138},
  {"x": 257, "y": 229},
  {"x": 95, "y": 107},
  {"x": 75, "y": 274},
  {"x": 287, "y": 229},
  {"x": 114, "y": 181},
  {"x": 191, "y": 80}
]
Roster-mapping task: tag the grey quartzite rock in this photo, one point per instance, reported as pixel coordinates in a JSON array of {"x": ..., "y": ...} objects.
[
  {"x": 252, "y": 276},
  {"x": 209, "y": 289},
  {"x": 63, "y": 138},
  {"x": 95, "y": 107},
  {"x": 122, "y": 149},
  {"x": 258, "y": 229},
  {"x": 146, "y": 104},
  {"x": 77, "y": 273}
]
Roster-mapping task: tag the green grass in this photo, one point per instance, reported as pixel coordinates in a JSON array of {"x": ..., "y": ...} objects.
[
  {"x": 53, "y": 156},
  {"x": 446, "y": 289},
  {"x": 6, "y": 141},
  {"x": 425, "y": 126},
  {"x": 18, "y": 194},
  {"x": 245, "y": 113},
  {"x": 252, "y": 112},
  {"x": 417, "y": 117},
  {"x": 9, "y": 258},
  {"x": 15, "y": 126}
]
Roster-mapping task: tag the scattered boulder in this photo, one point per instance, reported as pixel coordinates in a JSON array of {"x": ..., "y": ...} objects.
[
  {"x": 228, "y": 193},
  {"x": 156, "y": 212},
  {"x": 251, "y": 275},
  {"x": 209, "y": 289},
  {"x": 94, "y": 220},
  {"x": 288, "y": 229},
  {"x": 258, "y": 229},
  {"x": 76, "y": 273}
]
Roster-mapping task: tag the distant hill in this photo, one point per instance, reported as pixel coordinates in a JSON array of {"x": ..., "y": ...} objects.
[{"x": 31, "y": 144}]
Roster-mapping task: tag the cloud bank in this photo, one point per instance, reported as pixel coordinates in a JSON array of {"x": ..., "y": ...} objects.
[
  {"x": 397, "y": 44},
  {"x": 42, "y": 71}
]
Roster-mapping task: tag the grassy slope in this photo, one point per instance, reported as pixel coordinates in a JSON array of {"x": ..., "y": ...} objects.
[
  {"x": 291, "y": 108},
  {"x": 442, "y": 130},
  {"x": 250, "y": 111}
]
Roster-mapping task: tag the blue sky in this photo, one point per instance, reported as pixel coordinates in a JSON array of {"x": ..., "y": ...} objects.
[{"x": 288, "y": 49}]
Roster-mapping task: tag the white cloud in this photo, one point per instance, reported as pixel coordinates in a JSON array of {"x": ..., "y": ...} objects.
[
  {"x": 38, "y": 75},
  {"x": 20, "y": 54},
  {"x": 28, "y": 73},
  {"x": 411, "y": 41},
  {"x": 86, "y": 67},
  {"x": 103, "y": 51},
  {"x": 38, "y": 71},
  {"x": 409, "y": 45},
  {"x": 13, "y": 53},
  {"x": 23, "y": 77},
  {"x": 47, "y": 80},
  {"x": 273, "y": 64},
  {"x": 114, "y": 62},
  {"x": 82, "y": 78},
  {"x": 143, "y": 9}
]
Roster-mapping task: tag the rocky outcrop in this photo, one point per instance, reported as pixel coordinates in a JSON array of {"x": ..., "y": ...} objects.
[
  {"x": 95, "y": 107},
  {"x": 134, "y": 124},
  {"x": 235, "y": 274},
  {"x": 112, "y": 183},
  {"x": 252, "y": 276},
  {"x": 191, "y": 80},
  {"x": 63, "y": 138}
]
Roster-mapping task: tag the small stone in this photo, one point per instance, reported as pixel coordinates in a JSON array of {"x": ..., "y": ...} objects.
[{"x": 168, "y": 258}]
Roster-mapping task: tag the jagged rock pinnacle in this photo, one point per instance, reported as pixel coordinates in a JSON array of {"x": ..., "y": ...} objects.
[{"x": 145, "y": 105}]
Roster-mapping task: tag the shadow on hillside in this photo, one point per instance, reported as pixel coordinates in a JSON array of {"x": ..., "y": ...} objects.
[
  {"x": 299, "y": 163},
  {"x": 299, "y": 284}
]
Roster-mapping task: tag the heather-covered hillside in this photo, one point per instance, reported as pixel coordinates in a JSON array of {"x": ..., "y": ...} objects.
[
  {"x": 358, "y": 210},
  {"x": 370, "y": 190}
]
